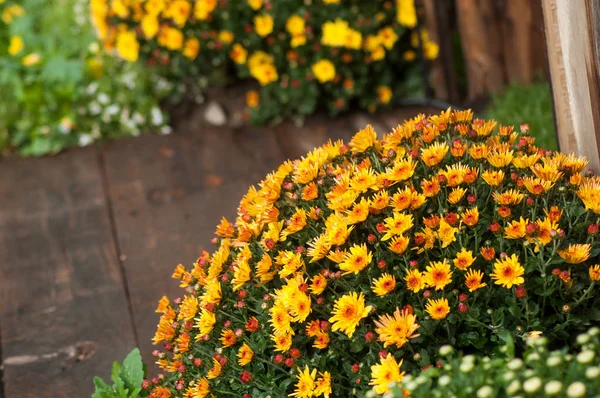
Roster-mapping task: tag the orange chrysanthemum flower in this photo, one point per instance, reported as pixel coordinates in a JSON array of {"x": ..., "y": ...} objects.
[
  {"x": 575, "y": 254},
  {"x": 396, "y": 329},
  {"x": 414, "y": 281},
  {"x": 438, "y": 274},
  {"x": 473, "y": 280},
  {"x": 464, "y": 259},
  {"x": 594, "y": 272}
]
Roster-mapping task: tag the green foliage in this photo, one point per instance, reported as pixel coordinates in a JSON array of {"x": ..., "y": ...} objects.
[
  {"x": 127, "y": 378},
  {"x": 532, "y": 104},
  {"x": 74, "y": 95},
  {"x": 540, "y": 372}
]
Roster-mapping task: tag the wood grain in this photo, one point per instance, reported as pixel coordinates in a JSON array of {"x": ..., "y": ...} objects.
[
  {"x": 479, "y": 30},
  {"x": 63, "y": 310},
  {"x": 572, "y": 39},
  {"x": 168, "y": 195}
]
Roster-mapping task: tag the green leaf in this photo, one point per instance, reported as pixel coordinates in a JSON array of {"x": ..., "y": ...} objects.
[
  {"x": 132, "y": 371},
  {"x": 100, "y": 384},
  {"x": 115, "y": 374}
]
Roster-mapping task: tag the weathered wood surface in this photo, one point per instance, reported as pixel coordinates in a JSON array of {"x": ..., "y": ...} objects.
[
  {"x": 503, "y": 42},
  {"x": 92, "y": 234},
  {"x": 168, "y": 195},
  {"x": 63, "y": 310},
  {"x": 573, "y": 38}
]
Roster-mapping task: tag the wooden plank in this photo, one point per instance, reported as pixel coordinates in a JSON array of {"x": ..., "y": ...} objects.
[
  {"x": 437, "y": 75},
  {"x": 168, "y": 195},
  {"x": 296, "y": 141},
  {"x": 539, "y": 52},
  {"x": 393, "y": 117},
  {"x": 63, "y": 309},
  {"x": 478, "y": 26},
  {"x": 573, "y": 37},
  {"x": 516, "y": 35}
]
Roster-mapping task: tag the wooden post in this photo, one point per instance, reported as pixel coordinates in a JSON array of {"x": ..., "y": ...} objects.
[
  {"x": 573, "y": 39},
  {"x": 480, "y": 37}
]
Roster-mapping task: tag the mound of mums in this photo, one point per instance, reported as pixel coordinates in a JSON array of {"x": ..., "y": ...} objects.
[{"x": 353, "y": 265}]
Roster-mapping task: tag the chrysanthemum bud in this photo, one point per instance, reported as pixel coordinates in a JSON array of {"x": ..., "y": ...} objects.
[
  {"x": 245, "y": 377},
  {"x": 462, "y": 297},
  {"x": 369, "y": 336},
  {"x": 566, "y": 308},
  {"x": 355, "y": 367},
  {"x": 520, "y": 292},
  {"x": 289, "y": 362},
  {"x": 593, "y": 229},
  {"x": 427, "y": 293},
  {"x": 462, "y": 307}
]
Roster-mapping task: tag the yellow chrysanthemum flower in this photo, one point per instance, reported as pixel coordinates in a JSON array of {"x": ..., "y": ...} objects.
[
  {"x": 383, "y": 285},
  {"x": 384, "y": 373},
  {"x": 437, "y": 309},
  {"x": 347, "y": 312},
  {"x": 508, "y": 272}
]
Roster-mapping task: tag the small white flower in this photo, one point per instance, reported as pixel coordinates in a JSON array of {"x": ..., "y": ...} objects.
[
  {"x": 553, "y": 387},
  {"x": 508, "y": 376},
  {"x": 420, "y": 380},
  {"x": 139, "y": 119},
  {"x": 529, "y": 373},
  {"x": 94, "y": 47},
  {"x": 112, "y": 110},
  {"x": 576, "y": 390},
  {"x": 515, "y": 364},
  {"x": 534, "y": 356},
  {"x": 585, "y": 357},
  {"x": 157, "y": 116},
  {"x": 532, "y": 385},
  {"x": 94, "y": 108},
  {"x": 85, "y": 139},
  {"x": 594, "y": 331},
  {"x": 91, "y": 88},
  {"x": 411, "y": 386},
  {"x": 166, "y": 130},
  {"x": 583, "y": 338},
  {"x": 485, "y": 392},
  {"x": 466, "y": 367},
  {"x": 446, "y": 350},
  {"x": 469, "y": 358},
  {"x": 553, "y": 361},
  {"x": 513, "y": 387},
  {"x": 103, "y": 98},
  {"x": 592, "y": 372},
  {"x": 444, "y": 380}
]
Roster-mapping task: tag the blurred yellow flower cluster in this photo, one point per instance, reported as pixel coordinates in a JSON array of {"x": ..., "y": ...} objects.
[{"x": 340, "y": 48}]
